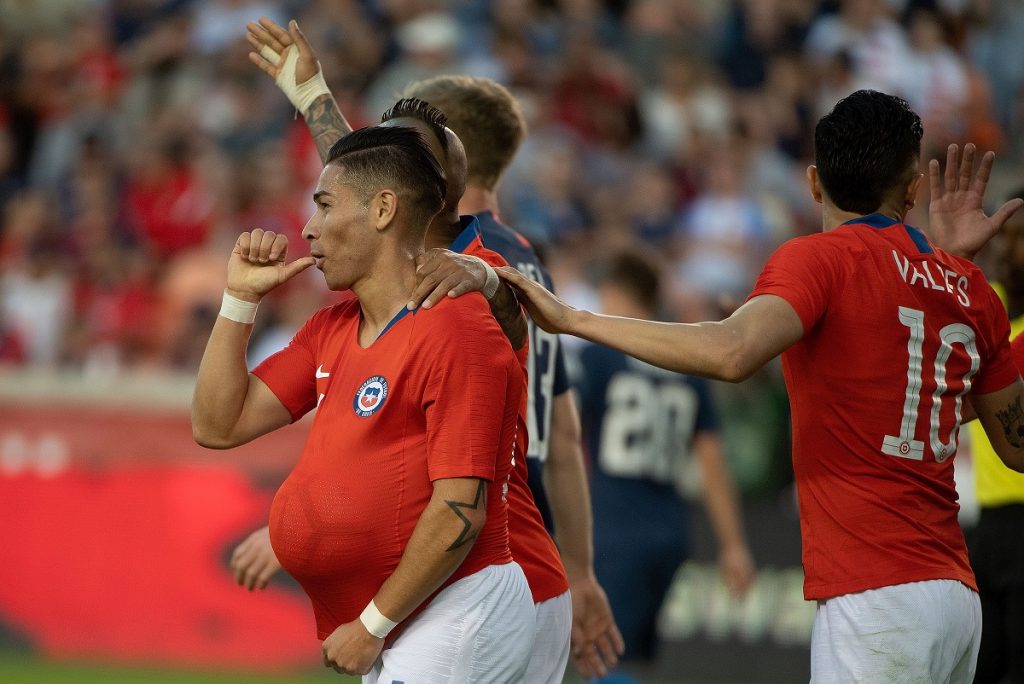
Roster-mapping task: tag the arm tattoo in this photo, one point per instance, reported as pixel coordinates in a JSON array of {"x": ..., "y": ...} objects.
[
  {"x": 326, "y": 124},
  {"x": 1012, "y": 418},
  {"x": 480, "y": 500},
  {"x": 506, "y": 310}
]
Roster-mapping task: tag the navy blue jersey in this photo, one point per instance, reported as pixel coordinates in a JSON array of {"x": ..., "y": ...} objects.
[
  {"x": 639, "y": 422},
  {"x": 546, "y": 366}
]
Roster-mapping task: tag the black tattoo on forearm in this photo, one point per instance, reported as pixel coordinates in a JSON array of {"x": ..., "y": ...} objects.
[
  {"x": 506, "y": 310},
  {"x": 1012, "y": 419},
  {"x": 468, "y": 534},
  {"x": 326, "y": 124}
]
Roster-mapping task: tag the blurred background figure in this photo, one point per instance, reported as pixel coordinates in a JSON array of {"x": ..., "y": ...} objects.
[{"x": 652, "y": 434}]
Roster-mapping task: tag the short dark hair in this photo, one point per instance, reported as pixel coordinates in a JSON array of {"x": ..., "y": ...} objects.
[
  {"x": 637, "y": 275},
  {"x": 395, "y": 157},
  {"x": 485, "y": 116},
  {"x": 866, "y": 149},
  {"x": 420, "y": 110}
]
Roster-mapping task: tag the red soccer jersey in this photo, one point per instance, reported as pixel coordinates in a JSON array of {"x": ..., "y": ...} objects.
[
  {"x": 435, "y": 396},
  {"x": 532, "y": 546},
  {"x": 895, "y": 333}
]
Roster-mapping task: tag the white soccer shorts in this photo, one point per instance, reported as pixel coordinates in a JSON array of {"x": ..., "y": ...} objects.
[
  {"x": 478, "y": 629},
  {"x": 927, "y": 632},
  {"x": 550, "y": 654}
]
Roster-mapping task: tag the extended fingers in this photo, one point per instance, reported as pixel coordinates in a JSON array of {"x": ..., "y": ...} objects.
[
  {"x": 430, "y": 289},
  {"x": 966, "y": 167},
  {"x": 263, "y": 35},
  {"x": 513, "y": 277},
  {"x": 267, "y": 67},
  {"x": 300, "y": 39},
  {"x": 934, "y": 179},
  {"x": 279, "y": 34},
  {"x": 984, "y": 171},
  {"x": 607, "y": 649},
  {"x": 951, "y": 159},
  {"x": 952, "y": 152},
  {"x": 588, "y": 662},
  {"x": 1006, "y": 211}
]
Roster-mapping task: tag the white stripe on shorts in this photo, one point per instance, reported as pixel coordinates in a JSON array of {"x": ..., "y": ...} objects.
[
  {"x": 478, "y": 629},
  {"x": 916, "y": 632},
  {"x": 550, "y": 654}
]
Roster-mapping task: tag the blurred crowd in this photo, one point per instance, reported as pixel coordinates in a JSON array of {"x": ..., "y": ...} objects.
[{"x": 137, "y": 140}]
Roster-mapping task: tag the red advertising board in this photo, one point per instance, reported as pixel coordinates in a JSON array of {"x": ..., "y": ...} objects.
[{"x": 115, "y": 528}]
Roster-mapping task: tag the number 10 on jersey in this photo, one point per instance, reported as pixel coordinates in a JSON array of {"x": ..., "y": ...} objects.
[{"x": 904, "y": 445}]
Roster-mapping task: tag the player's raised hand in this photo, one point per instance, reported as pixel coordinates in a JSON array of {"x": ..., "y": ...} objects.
[
  {"x": 254, "y": 561},
  {"x": 287, "y": 57},
  {"x": 547, "y": 311},
  {"x": 442, "y": 273},
  {"x": 350, "y": 649},
  {"x": 957, "y": 219},
  {"x": 257, "y": 264},
  {"x": 596, "y": 640}
]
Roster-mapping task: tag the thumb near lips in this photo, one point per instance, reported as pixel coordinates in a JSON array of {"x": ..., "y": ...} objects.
[{"x": 298, "y": 266}]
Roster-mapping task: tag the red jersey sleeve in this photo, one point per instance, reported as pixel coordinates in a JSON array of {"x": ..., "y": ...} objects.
[
  {"x": 291, "y": 373},
  {"x": 469, "y": 365},
  {"x": 804, "y": 272},
  {"x": 997, "y": 362}
]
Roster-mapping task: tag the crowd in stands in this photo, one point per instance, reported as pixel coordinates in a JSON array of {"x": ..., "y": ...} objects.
[{"x": 137, "y": 141}]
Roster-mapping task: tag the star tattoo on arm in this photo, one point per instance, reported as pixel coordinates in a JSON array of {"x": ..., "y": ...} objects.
[{"x": 467, "y": 534}]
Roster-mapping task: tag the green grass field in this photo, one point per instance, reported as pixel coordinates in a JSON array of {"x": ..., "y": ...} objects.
[{"x": 18, "y": 668}]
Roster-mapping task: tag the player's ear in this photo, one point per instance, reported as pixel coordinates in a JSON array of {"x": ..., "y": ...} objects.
[
  {"x": 814, "y": 183},
  {"x": 913, "y": 188},
  {"x": 383, "y": 208}
]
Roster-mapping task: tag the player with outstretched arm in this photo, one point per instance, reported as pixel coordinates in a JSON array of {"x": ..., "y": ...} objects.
[{"x": 882, "y": 337}]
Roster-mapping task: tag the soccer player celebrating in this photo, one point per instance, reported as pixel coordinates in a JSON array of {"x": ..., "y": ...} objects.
[
  {"x": 882, "y": 335},
  {"x": 395, "y": 513},
  {"x": 490, "y": 118},
  {"x": 643, "y": 426}
]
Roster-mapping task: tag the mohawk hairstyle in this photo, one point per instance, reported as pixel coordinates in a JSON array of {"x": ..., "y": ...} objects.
[
  {"x": 421, "y": 110},
  {"x": 395, "y": 157}
]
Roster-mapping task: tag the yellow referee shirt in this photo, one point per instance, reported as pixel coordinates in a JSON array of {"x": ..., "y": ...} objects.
[{"x": 994, "y": 483}]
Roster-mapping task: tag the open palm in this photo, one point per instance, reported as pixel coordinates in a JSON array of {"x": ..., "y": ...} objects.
[{"x": 957, "y": 219}]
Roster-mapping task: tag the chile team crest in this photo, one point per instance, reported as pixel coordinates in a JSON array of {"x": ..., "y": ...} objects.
[{"x": 371, "y": 396}]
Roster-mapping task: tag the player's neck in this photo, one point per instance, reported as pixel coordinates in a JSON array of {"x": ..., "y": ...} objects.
[
  {"x": 385, "y": 292},
  {"x": 443, "y": 230},
  {"x": 477, "y": 199},
  {"x": 832, "y": 216}
]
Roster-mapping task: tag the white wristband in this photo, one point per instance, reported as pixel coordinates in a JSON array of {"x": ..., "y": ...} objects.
[
  {"x": 375, "y": 622},
  {"x": 301, "y": 95},
  {"x": 491, "y": 284},
  {"x": 238, "y": 310}
]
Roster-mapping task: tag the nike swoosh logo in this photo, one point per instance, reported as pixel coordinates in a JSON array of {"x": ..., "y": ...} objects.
[{"x": 320, "y": 372}]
